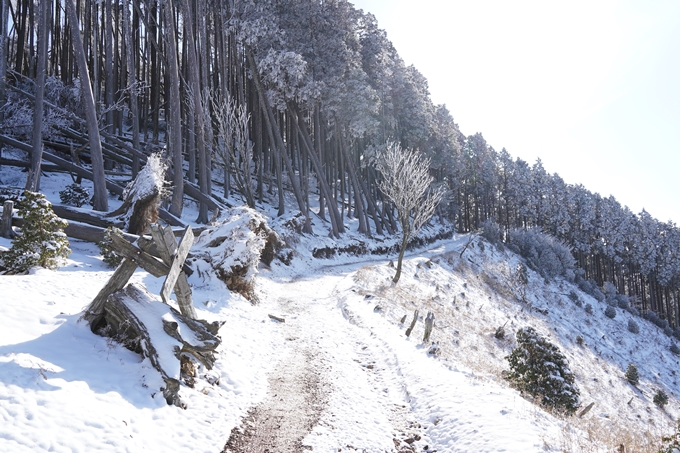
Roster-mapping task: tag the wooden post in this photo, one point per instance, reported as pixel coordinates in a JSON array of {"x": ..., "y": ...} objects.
[
  {"x": 95, "y": 311},
  {"x": 6, "y": 222},
  {"x": 176, "y": 278},
  {"x": 413, "y": 324},
  {"x": 429, "y": 323}
]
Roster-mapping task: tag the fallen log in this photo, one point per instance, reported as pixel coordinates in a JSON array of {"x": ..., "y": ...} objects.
[
  {"x": 88, "y": 216},
  {"x": 276, "y": 318},
  {"x": 22, "y": 164},
  {"x": 160, "y": 333},
  {"x": 189, "y": 189}
]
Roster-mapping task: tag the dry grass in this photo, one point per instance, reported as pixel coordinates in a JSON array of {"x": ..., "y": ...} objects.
[{"x": 594, "y": 435}]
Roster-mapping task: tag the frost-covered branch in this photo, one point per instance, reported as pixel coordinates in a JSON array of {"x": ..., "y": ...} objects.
[{"x": 406, "y": 182}]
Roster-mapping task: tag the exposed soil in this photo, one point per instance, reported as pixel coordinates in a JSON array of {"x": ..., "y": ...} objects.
[{"x": 296, "y": 399}]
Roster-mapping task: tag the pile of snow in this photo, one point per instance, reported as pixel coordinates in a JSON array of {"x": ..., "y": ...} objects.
[{"x": 232, "y": 249}]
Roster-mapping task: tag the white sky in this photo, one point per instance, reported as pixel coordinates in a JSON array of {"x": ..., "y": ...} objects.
[{"x": 590, "y": 87}]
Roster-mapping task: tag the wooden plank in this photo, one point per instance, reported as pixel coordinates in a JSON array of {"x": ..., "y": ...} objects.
[
  {"x": 166, "y": 246},
  {"x": 178, "y": 260},
  {"x": 143, "y": 259},
  {"x": 95, "y": 311}
]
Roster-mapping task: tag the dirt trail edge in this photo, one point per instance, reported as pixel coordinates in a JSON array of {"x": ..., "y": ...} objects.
[{"x": 295, "y": 401}]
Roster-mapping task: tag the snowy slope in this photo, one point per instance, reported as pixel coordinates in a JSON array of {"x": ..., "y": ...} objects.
[{"x": 354, "y": 381}]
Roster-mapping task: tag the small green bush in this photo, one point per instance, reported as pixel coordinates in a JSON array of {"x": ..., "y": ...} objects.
[
  {"x": 589, "y": 309},
  {"x": 539, "y": 368},
  {"x": 661, "y": 398},
  {"x": 610, "y": 312},
  {"x": 675, "y": 349},
  {"x": 633, "y": 326},
  {"x": 41, "y": 242},
  {"x": 75, "y": 195},
  {"x": 110, "y": 257},
  {"x": 632, "y": 374}
]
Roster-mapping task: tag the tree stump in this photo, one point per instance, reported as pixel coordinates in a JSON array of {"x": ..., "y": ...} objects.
[
  {"x": 6, "y": 221},
  {"x": 413, "y": 324},
  {"x": 429, "y": 324},
  {"x": 159, "y": 332}
]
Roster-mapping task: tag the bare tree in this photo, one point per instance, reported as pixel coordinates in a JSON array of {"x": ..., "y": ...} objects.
[
  {"x": 33, "y": 180},
  {"x": 235, "y": 146},
  {"x": 4, "y": 31},
  {"x": 174, "y": 111},
  {"x": 100, "y": 200},
  {"x": 406, "y": 183}
]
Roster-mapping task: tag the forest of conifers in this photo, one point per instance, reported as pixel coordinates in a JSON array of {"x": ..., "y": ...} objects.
[{"x": 320, "y": 88}]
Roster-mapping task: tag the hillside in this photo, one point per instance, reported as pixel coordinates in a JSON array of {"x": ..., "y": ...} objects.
[{"x": 339, "y": 374}]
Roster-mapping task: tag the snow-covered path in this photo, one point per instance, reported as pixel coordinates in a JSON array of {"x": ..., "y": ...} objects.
[
  {"x": 376, "y": 390},
  {"x": 338, "y": 375}
]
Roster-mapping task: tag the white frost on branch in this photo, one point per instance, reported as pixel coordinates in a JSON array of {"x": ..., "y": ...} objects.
[{"x": 406, "y": 182}]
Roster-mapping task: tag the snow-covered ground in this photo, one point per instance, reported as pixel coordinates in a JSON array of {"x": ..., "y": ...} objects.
[{"x": 339, "y": 373}]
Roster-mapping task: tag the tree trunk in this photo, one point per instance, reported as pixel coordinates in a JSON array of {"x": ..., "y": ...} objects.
[
  {"x": 132, "y": 84},
  {"x": 4, "y": 32},
  {"x": 174, "y": 112},
  {"x": 197, "y": 102},
  {"x": 6, "y": 230},
  {"x": 100, "y": 195},
  {"x": 33, "y": 180},
  {"x": 404, "y": 243},
  {"x": 277, "y": 142},
  {"x": 336, "y": 219}
]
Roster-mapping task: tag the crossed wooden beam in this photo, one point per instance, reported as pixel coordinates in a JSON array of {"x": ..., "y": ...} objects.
[{"x": 170, "y": 265}]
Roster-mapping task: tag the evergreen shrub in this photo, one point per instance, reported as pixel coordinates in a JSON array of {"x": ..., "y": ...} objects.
[
  {"x": 539, "y": 368},
  {"x": 589, "y": 309},
  {"x": 633, "y": 326},
  {"x": 675, "y": 349},
  {"x": 661, "y": 398},
  {"x": 492, "y": 232},
  {"x": 74, "y": 195},
  {"x": 632, "y": 374},
  {"x": 575, "y": 299},
  {"x": 610, "y": 312},
  {"x": 41, "y": 242},
  {"x": 545, "y": 254},
  {"x": 110, "y": 257}
]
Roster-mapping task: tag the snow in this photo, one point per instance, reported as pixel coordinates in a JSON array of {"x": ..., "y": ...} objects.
[{"x": 63, "y": 388}]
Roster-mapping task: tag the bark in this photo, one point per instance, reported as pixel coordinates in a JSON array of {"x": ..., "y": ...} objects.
[
  {"x": 277, "y": 141},
  {"x": 174, "y": 256},
  {"x": 174, "y": 112},
  {"x": 126, "y": 312},
  {"x": 429, "y": 324},
  {"x": 132, "y": 84},
  {"x": 197, "y": 103},
  {"x": 100, "y": 198},
  {"x": 4, "y": 32},
  {"x": 6, "y": 230},
  {"x": 413, "y": 323},
  {"x": 336, "y": 219},
  {"x": 33, "y": 180}
]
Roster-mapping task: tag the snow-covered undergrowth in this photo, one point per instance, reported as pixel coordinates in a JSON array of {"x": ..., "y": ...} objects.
[
  {"x": 232, "y": 249},
  {"x": 473, "y": 295}
]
